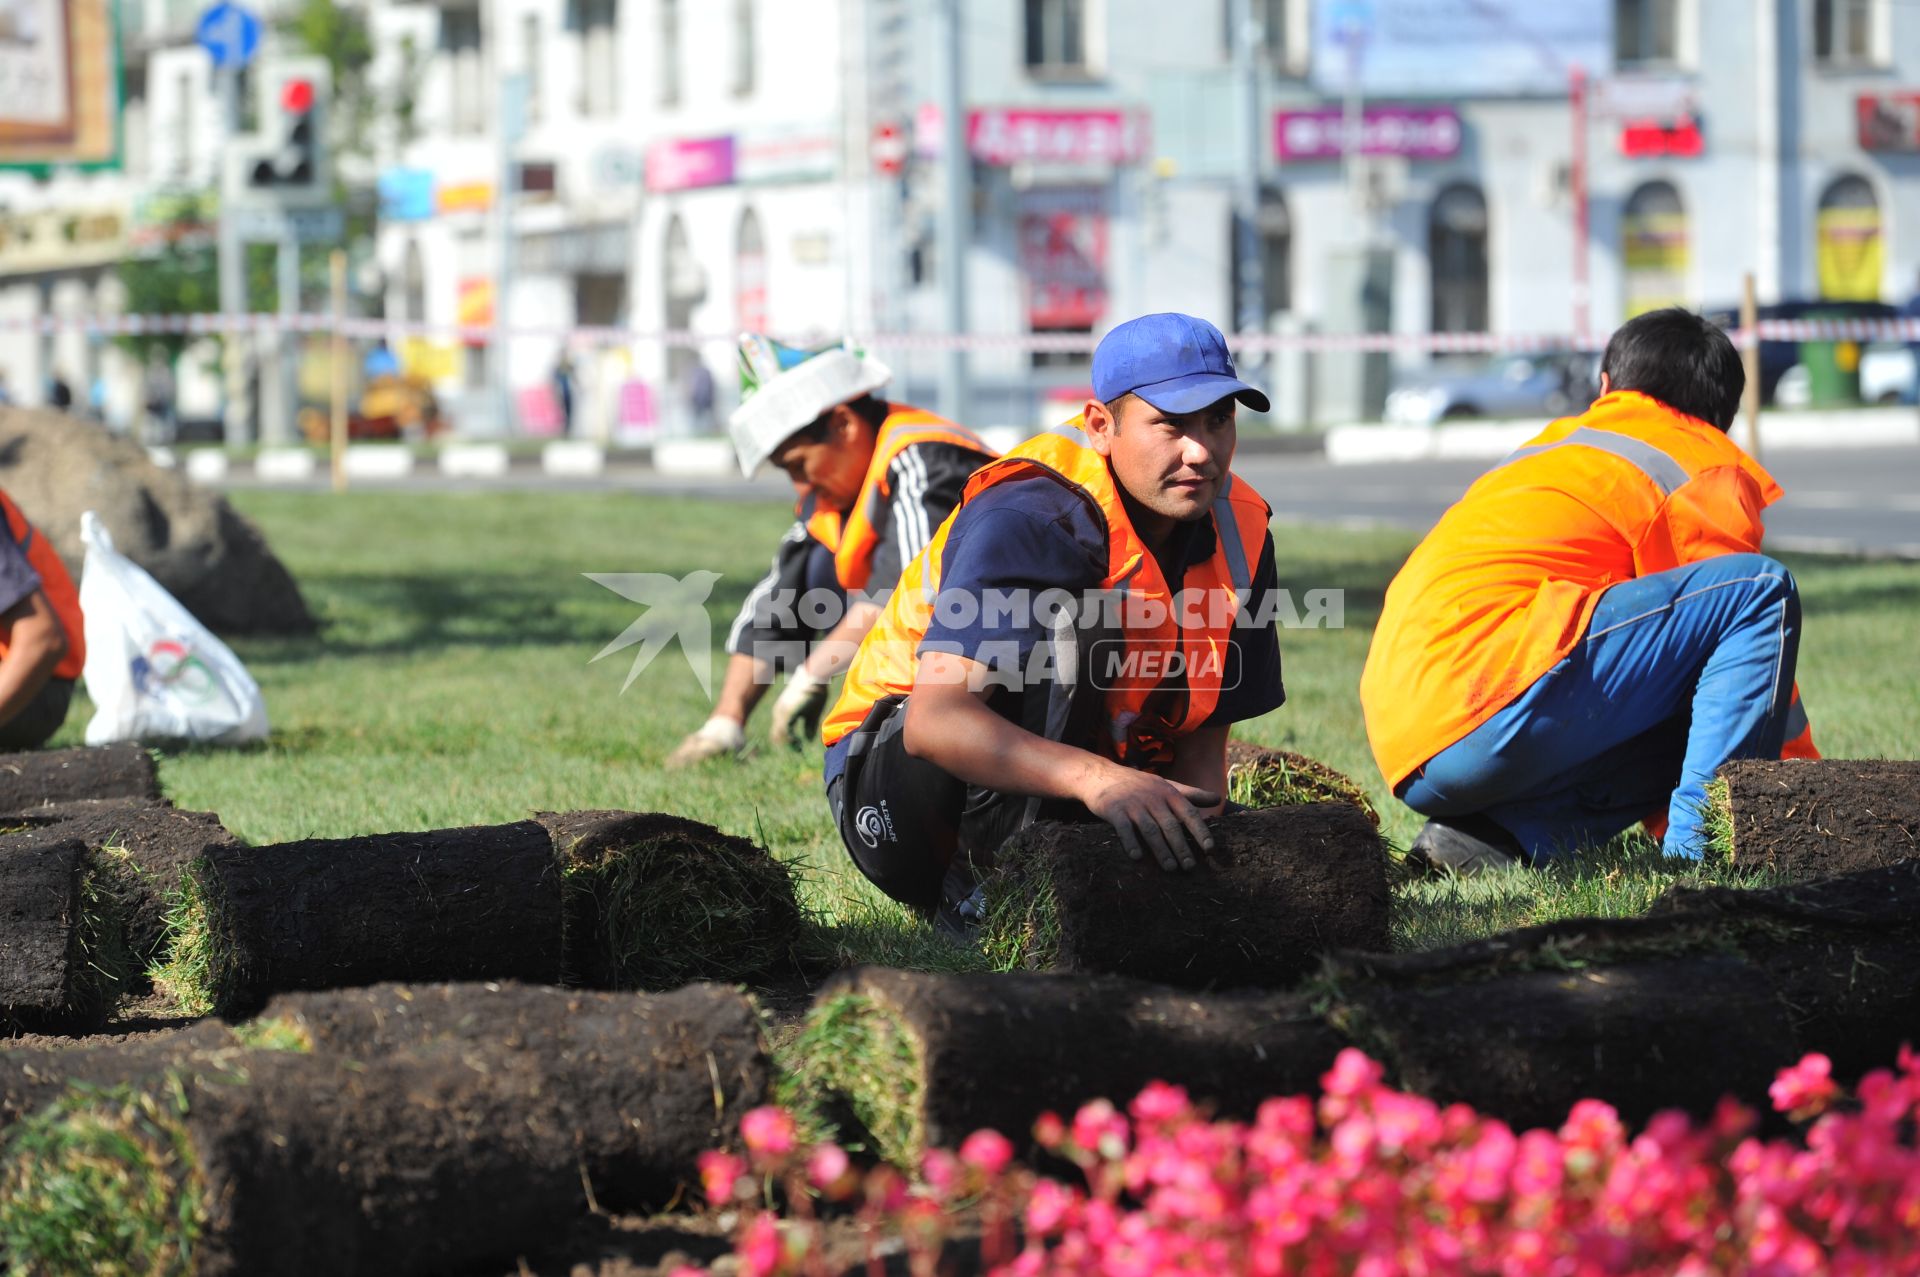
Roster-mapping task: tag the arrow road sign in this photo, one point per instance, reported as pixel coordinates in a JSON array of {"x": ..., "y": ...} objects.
[{"x": 229, "y": 34}]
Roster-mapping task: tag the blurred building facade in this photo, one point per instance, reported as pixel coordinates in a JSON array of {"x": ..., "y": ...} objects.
[{"x": 713, "y": 165}]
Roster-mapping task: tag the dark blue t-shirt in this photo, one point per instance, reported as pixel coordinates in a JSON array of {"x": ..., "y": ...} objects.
[{"x": 1025, "y": 536}]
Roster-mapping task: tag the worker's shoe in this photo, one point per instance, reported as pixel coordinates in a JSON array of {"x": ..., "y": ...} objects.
[{"x": 1464, "y": 846}]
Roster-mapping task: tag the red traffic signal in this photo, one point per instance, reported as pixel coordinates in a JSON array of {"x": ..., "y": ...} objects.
[{"x": 296, "y": 95}]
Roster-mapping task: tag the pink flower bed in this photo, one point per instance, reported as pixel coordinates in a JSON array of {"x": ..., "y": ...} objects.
[{"x": 1375, "y": 1182}]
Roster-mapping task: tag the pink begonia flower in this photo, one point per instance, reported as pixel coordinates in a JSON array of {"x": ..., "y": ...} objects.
[
  {"x": 1049, "y": 1130},
  {"x": 1160, "y": 1102},
  {"x": 759, "y": 1249},
  {"x": 1806, "y": 1088},
  {"x": 1099, "y": 1128},
  {"x": 941, "y": 1170},
  {"x": 987, "y": 1152},
  {"x": 827, "y": 1166},
  {"x": 719, "y": 1174},
  {"x": 768, "y": 1130}
]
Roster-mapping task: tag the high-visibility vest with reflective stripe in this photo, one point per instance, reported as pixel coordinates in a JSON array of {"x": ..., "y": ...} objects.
[
  {"x": 54, "y": 583},
  {"x": 853, "y": 536},
  {"x": 1504, "y": 585},
  {"x": 1149, "y": 703}
]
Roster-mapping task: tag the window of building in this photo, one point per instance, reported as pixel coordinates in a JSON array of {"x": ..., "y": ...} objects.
[
  {"x": 1057, "y": 37},
  {"x": 1849, "y": 246},
  {"x": 1274, "y": 225},
  {"x": 1849, "y": 32},
  {"x": 1457, "y": 257},
  {"x": 1646, "y": 32},
  {"x": 667, "y": 52},
  {"x": 460, "y": 46},
  {"x": 530, "y": 44},
  {"x": 750, "y": 275},
  {"x": 599, "y": 57},
  {"x": 744, "y": 50},
  {"x": 1283, "y": 32},
  {"x": 1655, "y": 252}
]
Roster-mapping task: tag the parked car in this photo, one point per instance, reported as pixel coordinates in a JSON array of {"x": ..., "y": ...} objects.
[
  {"x": 1778, "y": 358},
  {"x": 1886, "y": 378},
  {"x": 1547, "y": 384}
]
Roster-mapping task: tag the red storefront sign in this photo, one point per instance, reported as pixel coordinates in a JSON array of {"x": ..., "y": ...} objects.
[
  {"x": 1640, "y": 139},
  {"x": 1005, "y": 136},
  {"x": 1889, "y": 121},
  {"x": 1063, "y": 255}
]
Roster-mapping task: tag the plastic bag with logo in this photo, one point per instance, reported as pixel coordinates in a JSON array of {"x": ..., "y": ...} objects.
[{"x": 154, "y": 672}]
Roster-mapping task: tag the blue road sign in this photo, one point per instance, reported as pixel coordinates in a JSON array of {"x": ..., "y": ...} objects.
[{"x": 229, "y": 34}]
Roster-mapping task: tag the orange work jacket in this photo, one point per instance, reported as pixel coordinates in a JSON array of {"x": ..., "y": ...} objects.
[
  {"x": 1149, "y": 703},
  {"x": 54, "y": 583},
  {"x": 1504, "y": 585},
  {"x": 853, "y": 535}
]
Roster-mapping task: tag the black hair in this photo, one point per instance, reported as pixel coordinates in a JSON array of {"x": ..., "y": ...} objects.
[{"x": 1680, "y": 359}]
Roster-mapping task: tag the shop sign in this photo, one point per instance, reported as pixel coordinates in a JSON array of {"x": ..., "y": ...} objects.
[
  {"x": 473, "y": 304},
  {"x": 465, "y": 197},
  {"x": 1410, "y": 132},
  {"x": 52, "y": 240},
  {"x": 787, "y": 154},
  {"x": 1889, "y": 121},
  {"x": 1006, "y": 136},
  {"x": 1063, "y": 257},
  {"x": 1646, "y": 139},
  {"x": 406, "y": 195},
  {"x": 684, "y": 164}
]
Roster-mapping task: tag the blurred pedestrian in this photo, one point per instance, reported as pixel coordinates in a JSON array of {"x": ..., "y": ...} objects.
[
  {"x": 700, "y": 396},
  {"x": 6, "y": 394},
  {"x": 59, "y": 394},
  {"x": 563, "y": 391},
  {"x": 158, "y": 397},
  {"x": 42, "y": 640}
]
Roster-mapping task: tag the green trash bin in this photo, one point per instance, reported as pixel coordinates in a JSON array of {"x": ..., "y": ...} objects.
[{"x": 1833, "y": 367}]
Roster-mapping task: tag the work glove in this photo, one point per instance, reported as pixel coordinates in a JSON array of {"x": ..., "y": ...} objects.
[
  {"x": 716, "y": 737},
  {"x": 797, "y": 710}
]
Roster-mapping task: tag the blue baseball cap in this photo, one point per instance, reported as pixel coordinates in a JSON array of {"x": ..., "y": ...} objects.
[{"x": 1175, "y": 362}]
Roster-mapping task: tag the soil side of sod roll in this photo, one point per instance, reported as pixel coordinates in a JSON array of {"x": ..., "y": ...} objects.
[
  {"x": 34, "y": 779},
  {"x": 44, "y": 946},
  {"x": 479, "y": 903},
  {"x": 1280, "y": 889},
  {"x": 653, "y": 900},
  {"x": 142, "y": 849},
  {"x": 1260, "y": 777},
  {"x": 1808, "y": 817},
  {"x": 425, "y": 1162},
  {"x": 904, "y": 1061},
  {"x": 653, "y": 1080},
  {"x": 33, "y": 1077}
]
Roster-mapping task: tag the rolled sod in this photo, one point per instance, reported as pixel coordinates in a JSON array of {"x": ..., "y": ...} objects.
[
  {"x": 652, "y": 1079},
  {"x": 33, "y": 1077},
  {"x": 1808, "y": 817},
  {"x": 653, "y": 901},
  {"x": 1260, "y": 777},
  {"x": 904, "y": 1061},
  {"x": 1281, "y": 888},
  {"x": 480, "y": 903},
  {"x": 59, "y": 942},
  {"x": 142, "y": 851},
  {"x": 457, "y": 1152},
  {"x": 34, "y": 779}
]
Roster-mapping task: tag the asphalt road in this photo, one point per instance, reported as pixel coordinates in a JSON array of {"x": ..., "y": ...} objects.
[
  {"x": 1847, "y": 501},
  {"x": 1863, "y": 501}
]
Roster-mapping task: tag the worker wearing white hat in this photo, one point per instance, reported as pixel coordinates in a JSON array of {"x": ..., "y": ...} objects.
[{"x": 874, "y": 480}]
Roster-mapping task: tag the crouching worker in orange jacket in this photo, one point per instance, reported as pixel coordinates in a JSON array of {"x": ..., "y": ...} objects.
[
  {"x": 43, "y": 645},
  {"x": 1592, "y": 630},
  {"x": 1074, "y": 641}
]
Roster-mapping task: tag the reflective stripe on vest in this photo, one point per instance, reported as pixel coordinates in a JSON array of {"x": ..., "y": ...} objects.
[{"x": 1660, "y": 469}]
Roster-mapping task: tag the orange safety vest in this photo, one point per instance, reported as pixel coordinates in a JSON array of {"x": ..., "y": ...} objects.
[
  {"x": 1503, "y": 587},
  {"x": 54, "y": 583},
  {"x": 1146, "y": 707},
  {"x": 853, "y": 535}
]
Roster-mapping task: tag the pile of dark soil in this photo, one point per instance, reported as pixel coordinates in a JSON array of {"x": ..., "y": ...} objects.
[
  {"x": 31, "y": 781},
  {"x": 392, "y": 1130},
  {"x": 1261, "y": 777},
  {"x": 1806, "y": 817},
  {"x": 1280, "y": 889},
  {"x": 203, "y": 553}
]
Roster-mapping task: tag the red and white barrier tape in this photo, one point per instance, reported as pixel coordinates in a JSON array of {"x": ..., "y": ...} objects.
[{"x": 1863, "y": 330}]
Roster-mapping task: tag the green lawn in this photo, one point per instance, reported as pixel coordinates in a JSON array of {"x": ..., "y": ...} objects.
[{"x": 453, "y": 685}]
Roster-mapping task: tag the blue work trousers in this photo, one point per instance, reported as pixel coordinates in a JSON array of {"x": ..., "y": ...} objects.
[{"x": 1679, "y": 672}]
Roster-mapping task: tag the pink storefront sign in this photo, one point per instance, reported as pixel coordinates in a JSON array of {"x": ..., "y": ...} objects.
[
  {"x": 1412, "y": 132},
  {"x": 683, "y": 164},
  {"x": 1080, "y": 139}
]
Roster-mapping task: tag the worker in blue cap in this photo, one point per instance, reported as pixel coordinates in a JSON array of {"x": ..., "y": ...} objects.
[{"x": 979, "y": 702}]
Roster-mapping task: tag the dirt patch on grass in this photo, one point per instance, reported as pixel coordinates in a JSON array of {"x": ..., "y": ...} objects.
[
  {"x": 1809, "y": 817},
  {"x": 1280, "y": 889}
]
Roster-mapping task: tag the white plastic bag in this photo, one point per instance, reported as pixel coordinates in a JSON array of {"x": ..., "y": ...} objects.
[{"x": 154, "y": 672}]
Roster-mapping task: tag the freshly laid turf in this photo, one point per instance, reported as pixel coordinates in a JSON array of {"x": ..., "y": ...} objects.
[{"x": 453, "y": 684}]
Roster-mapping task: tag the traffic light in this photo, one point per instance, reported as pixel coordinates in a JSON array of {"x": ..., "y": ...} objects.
[{"x": 289, "y": 164}]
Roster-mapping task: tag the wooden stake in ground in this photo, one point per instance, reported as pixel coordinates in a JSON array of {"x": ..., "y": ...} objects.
[
  {"x": 913, "y": 1060},
  {"x": 1281, "y": 888},
  {"x": 463, "y": 1150},
  {"x": 33, "y": 780},
  {"x": 1803, "y": 818}
]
